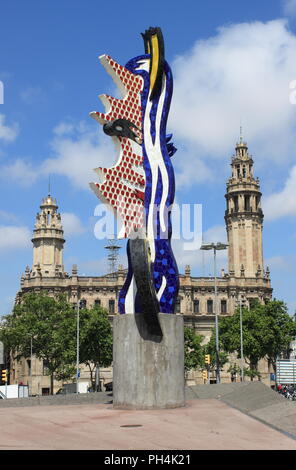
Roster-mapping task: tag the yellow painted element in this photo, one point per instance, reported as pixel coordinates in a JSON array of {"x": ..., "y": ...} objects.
[
  {"x": 4, "y": 375},
  {"x": 155, "y": 61},
  {"x": 205, "y": 375},
  {"x": 207, "y": 359}
]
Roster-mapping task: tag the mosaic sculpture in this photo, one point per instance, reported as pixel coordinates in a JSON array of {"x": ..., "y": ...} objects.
[{"x": 140, "y": 187}]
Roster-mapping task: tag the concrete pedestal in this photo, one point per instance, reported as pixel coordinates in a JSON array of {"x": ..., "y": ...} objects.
[{"x": 148, "y": 372}]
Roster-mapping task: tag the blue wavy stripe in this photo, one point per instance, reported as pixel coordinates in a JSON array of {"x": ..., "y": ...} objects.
[{"x": 164, "y": 264}]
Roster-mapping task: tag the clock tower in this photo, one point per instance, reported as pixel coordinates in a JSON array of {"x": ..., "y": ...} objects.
[
  {"x": 244, "y": 217},
  {"x": 48, "y": 241}
]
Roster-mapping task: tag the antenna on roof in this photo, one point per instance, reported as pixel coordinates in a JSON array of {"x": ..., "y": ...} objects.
[
  {"x": 240, "y": 133},
  {"x": 113, "y": 250}
]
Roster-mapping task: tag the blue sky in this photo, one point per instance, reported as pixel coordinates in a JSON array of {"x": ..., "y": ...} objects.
[{"x": 233, "y": 63}]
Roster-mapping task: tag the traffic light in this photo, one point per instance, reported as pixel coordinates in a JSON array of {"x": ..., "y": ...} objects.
[
  {"x": 207, "y": 359},
  {"x": 4, "y": 375},
  {"x": 205, "y": 374}
]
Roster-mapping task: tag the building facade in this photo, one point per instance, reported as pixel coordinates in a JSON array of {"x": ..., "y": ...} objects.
[{"x": 247, "y": 278}]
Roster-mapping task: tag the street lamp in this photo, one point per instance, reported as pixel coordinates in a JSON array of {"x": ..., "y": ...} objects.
[
  {"x": 31, "y": 373},
  {"x": 30, "y": 383},
  {"x": 77, "y": 349},
  {"x": 215, "y": 247},
  {"x": 239, "y": 303},
  {"x": 241, "y": 337}
]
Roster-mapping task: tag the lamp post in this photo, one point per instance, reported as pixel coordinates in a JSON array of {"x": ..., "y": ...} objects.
[
  {"x": 77, "y": 349},
  {"x": 31, "y": 374},
  {"x": 30, "y": 382},
  {"x": 239, "y": 303},
  {"x": 215, "y": 247},
  {"x": 241, "y": 337}
]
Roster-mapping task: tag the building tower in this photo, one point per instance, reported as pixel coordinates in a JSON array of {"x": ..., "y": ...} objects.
[
  {"x": 48, "y": 241},
  {"x": 244, "y": 217}
]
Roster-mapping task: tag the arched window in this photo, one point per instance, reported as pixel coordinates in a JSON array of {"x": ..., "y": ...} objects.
[
  {"x": 247, "y": 203},
  {"x": 111, "y": 307},
  {"x": 196, "y": 306},
  {"x": 48, "y": 218},
  {"x": 209, "y": 306},
  {"x": 223, "y": 306}
]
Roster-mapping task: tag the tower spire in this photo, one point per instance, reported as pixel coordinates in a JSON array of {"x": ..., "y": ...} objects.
[
  {"x": 48, "y": 240},
  {"x": 244, "y": 216}
]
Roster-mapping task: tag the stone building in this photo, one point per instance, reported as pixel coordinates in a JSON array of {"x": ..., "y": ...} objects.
[{"x": 247, "y": 278}]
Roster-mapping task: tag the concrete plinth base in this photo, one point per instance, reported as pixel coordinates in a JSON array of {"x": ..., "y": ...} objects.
[{"x": 148, "y": 372}]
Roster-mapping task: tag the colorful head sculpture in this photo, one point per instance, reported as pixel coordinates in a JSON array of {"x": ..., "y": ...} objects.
[{"x": 140, "y": 187}]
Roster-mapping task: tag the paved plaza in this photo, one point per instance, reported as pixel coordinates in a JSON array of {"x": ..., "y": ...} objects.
[{"x": 203, "y": 424}]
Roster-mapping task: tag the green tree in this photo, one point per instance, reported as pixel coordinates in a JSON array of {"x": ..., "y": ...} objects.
[
  {"x": 50, "y": 324},
  {"x": 210, "y": 348},
  {"x": 267, "y": 332},
  {"x": 252, "y": 373},
  {"x": 254, "y": 340},
  {"x": 280, "y": 330},
  {"x": 193, "y": 350},
  {"x": 234, "y": 370},
  {"x": 95, "y": 340}
]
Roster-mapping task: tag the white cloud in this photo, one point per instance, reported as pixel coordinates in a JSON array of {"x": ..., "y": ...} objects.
[
  {"x": 33, "y": 94},
  {"x": 200, "y": 260},
  {"x": 8, "y": 216},
  {"x": 190, "y": 167},
  {"x": 8, "y": 133},
  {"x": 77, "y": 150},
  {"x": 19, "y": 171},
  {"x": 289, "y": 7},
  {"x": 241, "y": 75},
  {"x": 283, "y": 202},
  {"x": 215, "y": 234},
  {"x": 14, "y": 238},
  {"x": 63, "y": 128},
  {"x": 72, "y": 224},
  {"x": 279, "y": 263},
  {"x": 76, "y": 155}
]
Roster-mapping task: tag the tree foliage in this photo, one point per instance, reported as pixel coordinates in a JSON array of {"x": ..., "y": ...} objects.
[
  {"x": 234, "y": 370},
  {"x": 280, "y": 331},
  {"x": 193, "y": 349},
  {"x": 95, "y": 340},
  {"x": 267, "y": 332},
  {"x": 49, "y": 325},
  {"x": 210, "y": 348}
]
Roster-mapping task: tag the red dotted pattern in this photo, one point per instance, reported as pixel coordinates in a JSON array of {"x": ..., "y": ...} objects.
[
  {"x": 118, "y": 187},
  {"x": 130, "y": 106},
  {"x": 125, "y": 199}
]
